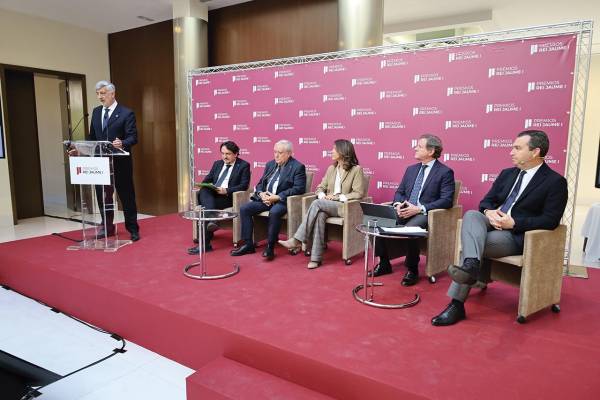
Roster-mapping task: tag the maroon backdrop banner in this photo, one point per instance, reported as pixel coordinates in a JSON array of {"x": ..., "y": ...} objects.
[{"x": 475, "y": 97}]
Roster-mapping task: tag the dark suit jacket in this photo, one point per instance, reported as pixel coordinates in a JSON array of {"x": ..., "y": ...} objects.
[
  {"x": 437, "y": 191},
  {"x": 540, "y": 206},
  {"x": 121, "y": 124},
  {"x": 239, "y": 180},
  {"x": 292, "y": 179}
]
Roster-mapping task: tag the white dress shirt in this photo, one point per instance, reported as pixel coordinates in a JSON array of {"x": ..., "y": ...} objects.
[
  {"x": 337, "y": 187},
  {"x": 529, "y": 173},
  {"x": 225, "y": 183},
  {"x": 110, "y": 111}
]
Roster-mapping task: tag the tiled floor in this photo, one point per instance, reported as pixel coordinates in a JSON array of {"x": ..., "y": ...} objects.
[
  {"x": 32, "y": 332},
  {"x": 40, "y": 226}
]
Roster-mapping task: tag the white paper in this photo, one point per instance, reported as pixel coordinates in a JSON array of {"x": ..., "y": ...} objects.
[{"x": 404, "y": 229}]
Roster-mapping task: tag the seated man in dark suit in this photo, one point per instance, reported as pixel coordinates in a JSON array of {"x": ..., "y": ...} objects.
[
  {"x": 526, "y": 197},
  {"x": 428, "y": 185},
  {"x": 230, "y": 174},
  {"x": 284, "y": 176}
]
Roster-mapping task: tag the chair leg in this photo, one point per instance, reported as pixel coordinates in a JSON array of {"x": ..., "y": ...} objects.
[
  {"x": 521, "y": 319},
  {"x": 555, "y": 308}
]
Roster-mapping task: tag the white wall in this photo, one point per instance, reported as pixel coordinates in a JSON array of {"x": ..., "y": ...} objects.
[
  {"x": 50, "y": 136},
  {"x": 587, "y": 193},
  {"x": 40, "y": 43}
]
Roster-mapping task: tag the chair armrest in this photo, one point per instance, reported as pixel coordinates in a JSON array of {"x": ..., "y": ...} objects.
[
  {"x": 458, "y": 243},
  {"x": 306, "y": 202},
  {"x": 352, "y": 212},
  {"x": 240, "y": 198},
  {"x": 294, "y": 211},
  {"x": 194, "y": 198},
  {"x": 541, "y": 246},
  {"x": 295, "y": 202}
]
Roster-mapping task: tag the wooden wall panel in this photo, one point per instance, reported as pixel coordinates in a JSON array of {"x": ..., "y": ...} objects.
[
  {"x": 142, "y": 68},
  {"x": 267, "y": 29},
  {"x": 24, "y": 145}
]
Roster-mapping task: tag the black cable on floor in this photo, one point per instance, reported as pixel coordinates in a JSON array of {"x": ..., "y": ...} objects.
[
  {"x": 60, "y": 235},
  {"x": 72, "y": 219},
  {"x": 35, "y": 391}
]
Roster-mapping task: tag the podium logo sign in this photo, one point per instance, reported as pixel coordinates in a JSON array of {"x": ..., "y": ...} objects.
[{"x": 89, "y": 170}]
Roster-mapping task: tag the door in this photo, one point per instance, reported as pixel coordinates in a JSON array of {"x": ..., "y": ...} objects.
[{"x": 24, "y": 147}]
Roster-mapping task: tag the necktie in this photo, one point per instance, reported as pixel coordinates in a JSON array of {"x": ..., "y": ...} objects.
[
  {"x": 414, "y": 195},
  {"x": 105, "y": 119},
  {"x": 513, "y": 195},
  {"x": 223, "y": 176},
  {"x": 272, "y": 181}
]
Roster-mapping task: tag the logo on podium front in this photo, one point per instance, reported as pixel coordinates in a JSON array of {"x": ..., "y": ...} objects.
[{"x": 89, "y": 170}]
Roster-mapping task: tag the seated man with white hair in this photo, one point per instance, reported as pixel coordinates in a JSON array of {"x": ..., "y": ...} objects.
[{"x": 284, "y": 176}]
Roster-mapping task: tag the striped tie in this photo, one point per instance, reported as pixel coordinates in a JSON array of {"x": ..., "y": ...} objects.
[
  {"x": 272, "y": 181},
  {"x": 223, "y": 176},
  {"x": 510, "y": 200},
  {"x": 414, "y": 195},
  {"x": 105, "y": 120}
]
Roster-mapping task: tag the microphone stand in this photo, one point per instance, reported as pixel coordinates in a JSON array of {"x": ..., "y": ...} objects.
[{"x": 68, "y": 147}]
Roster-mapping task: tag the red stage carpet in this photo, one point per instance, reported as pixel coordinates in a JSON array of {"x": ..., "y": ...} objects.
[{"x": 278, "y": 330}]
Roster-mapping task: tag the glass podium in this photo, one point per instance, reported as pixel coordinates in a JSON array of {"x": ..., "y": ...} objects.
[{"x": 91, "y": 168}]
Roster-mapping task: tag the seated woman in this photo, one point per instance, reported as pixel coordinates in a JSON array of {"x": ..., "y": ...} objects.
[{"x": 343, "y": 181}]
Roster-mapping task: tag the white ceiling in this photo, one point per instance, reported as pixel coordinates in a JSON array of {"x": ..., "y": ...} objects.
[
  {"x": 486, "y": 15},
  {"x": 109, "y": 16},
  {"x": 105, "y": 16}
]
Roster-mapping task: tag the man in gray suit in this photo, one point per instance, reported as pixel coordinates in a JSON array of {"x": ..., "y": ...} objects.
[{"x": 526, "y": 197}]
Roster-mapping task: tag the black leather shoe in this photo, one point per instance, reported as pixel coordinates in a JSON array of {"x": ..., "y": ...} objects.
[
  {"x": 410, "y": 278},
  {"x": 212, "y": 227},
  {"x": 451, "y": 315},
  {"x": 193, "y": 251},
  {"x": 269, "y": 253},
  {"x": 245, "y": 249},
  {"x": 135, "y": 236},
  {"x": 103, "y": 234},
  {"x": 381, "y": 269},
  {"x": 465, "y": 274}
]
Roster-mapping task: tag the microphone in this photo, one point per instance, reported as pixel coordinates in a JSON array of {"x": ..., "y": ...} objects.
[{"x": 531, "y": 159}]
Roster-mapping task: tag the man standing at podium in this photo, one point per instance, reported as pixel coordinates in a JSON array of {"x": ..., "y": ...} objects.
[{"x": 116, "y": 124}]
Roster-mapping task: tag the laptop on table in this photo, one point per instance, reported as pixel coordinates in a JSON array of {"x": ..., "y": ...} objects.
[
  {"x": 383, "y": 214},
  {"x": 386, "y": 217}
]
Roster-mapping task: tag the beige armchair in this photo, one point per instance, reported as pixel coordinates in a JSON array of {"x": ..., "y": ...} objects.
[
  {"x": 291, "y": 221},
  {"x": 537, "y": 272},
  {"x": 238, "y": 198},
  {"x": 342, "y": 228},
  {"x": 440, "y": 245}
]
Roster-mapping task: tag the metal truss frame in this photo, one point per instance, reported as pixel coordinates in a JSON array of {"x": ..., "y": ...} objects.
[{"x": 582, "y": 29}]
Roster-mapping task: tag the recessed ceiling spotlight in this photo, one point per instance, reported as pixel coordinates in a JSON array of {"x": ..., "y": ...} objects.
[{"x": 145, "y": 18}]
